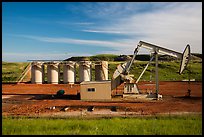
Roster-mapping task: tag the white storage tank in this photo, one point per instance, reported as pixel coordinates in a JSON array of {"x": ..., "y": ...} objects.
[
  {"x": 37, "y": 72},
  {"x": 84, "y": 71},
  {"x": 52, "y": 73},
  {"x": 69, "y": 72},
  {"x": 101, "y": 70}
]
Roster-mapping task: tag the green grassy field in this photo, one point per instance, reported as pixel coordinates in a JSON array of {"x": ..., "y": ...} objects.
[
  {"x": 168, "y": 71},
  {"x": 160, "y": 125}
]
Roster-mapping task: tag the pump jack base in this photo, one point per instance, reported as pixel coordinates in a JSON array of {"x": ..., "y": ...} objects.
[{"x": 142, "y": 96}]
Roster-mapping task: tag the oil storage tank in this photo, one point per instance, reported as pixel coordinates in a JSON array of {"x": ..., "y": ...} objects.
[
  {"x": 69, "y": 72},
  {"x": 52, "y": 72},
  {"x": 84, "y": 71},
  {"x": 101, "y": 70},
  {"x": 37, "y": 72}
]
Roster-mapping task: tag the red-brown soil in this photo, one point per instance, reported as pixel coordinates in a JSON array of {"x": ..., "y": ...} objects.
[{"x": 38, "y": 99}]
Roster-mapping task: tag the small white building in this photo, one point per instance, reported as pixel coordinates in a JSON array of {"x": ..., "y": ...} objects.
[{"x": 95, "y": 90}]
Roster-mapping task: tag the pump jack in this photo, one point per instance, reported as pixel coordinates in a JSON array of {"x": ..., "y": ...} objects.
[{"x": 130, "y": 85}]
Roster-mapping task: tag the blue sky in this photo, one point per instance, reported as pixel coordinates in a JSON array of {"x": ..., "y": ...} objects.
[{"x": 59, "y": 30}]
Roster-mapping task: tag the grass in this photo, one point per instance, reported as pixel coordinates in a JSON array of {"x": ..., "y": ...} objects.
[
  {"x": 11, "y": 71},
  {"x": 154, "y": 125},
  {"x": 107, "y": 57},
  {"x": 168, "y": 70}
]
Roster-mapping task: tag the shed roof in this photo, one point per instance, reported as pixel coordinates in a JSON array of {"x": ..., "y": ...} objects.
[{"x": 95, "y": 82}]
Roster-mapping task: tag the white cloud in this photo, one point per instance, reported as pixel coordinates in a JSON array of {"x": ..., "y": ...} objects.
[
  {"x": 101, "y": 31},
  {"x": 107, "y": 10},
  {"x": 113, "y": 44},
  {"x": 120, "y": 46},
  {"x": 84, "y": 23},
  {"x": 173, "y": 26},
  {"x": 75, "y": 23}
]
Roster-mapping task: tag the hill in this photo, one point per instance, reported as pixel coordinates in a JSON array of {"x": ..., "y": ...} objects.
[
  {"x": 140, "y": 57},
  {"x": 105, "y": 57}
]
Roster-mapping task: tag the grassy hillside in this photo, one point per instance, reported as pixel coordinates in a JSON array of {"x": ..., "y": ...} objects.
[
  {"x": 168, "y": 70},
  {"x": 105, "y": 57},
  {"x": 140, "y": 57},
  {"x": 11, "y": 71}
]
